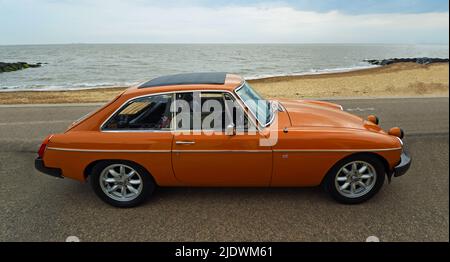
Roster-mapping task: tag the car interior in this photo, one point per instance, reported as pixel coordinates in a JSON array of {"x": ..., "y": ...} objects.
[
  {"x": 155, "y": 113},
  {"x": 146, "y": 113}
]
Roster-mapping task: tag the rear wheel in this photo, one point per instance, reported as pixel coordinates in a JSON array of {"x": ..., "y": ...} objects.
[
  {"x": 355, "y": 179},
  {"x": 121, "y": 183}
]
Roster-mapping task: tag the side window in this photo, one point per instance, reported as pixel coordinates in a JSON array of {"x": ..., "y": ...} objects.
[
  {"x": 184, "y": 111},
  {"x": 214, "y": 114},
  {"x": 240, "y": 118},
  {"x": 214, "y": 111},
  {"x": 147, "y": 113}
]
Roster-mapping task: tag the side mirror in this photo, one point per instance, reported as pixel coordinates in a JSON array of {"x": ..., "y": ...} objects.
[{"x": 230, "y": 130}]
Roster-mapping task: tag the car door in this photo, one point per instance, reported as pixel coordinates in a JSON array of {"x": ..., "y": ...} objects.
[
  {"x": 205, "y": 155},
  {"x": 140, "y": 131}
]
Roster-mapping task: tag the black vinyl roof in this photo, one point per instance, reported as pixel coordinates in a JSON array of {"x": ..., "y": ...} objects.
[{"x": 187, "y": 79}]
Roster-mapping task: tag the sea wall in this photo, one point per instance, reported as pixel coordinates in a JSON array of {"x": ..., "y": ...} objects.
[{"x": 421, "y": 60}]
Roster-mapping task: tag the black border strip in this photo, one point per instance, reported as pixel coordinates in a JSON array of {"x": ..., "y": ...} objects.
[{"x": 147, "y": 251}]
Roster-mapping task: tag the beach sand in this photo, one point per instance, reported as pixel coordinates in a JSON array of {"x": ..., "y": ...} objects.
[{"x": 403, "y": 79}]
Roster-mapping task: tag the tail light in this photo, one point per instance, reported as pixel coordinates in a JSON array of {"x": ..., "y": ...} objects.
[{"x": 44, "y": 146}]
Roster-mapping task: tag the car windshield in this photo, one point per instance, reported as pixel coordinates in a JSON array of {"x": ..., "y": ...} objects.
[{"x": 258, "y": 106}]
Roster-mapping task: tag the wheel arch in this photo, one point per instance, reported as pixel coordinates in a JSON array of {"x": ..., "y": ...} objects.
[
  {"x": 88, "y": 169},
  {"x": 373, "y": 154}
]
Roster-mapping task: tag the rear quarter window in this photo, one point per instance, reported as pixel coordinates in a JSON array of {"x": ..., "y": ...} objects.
[{"x": 147, "y": 113}]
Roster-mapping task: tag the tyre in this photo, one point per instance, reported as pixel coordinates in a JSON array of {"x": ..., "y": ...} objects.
[
  {"x": 355, "y": 179},
  {"x": 121, "y": 183}
]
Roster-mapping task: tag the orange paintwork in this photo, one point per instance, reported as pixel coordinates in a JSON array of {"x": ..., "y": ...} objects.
[{"x": 312, "y": 137}]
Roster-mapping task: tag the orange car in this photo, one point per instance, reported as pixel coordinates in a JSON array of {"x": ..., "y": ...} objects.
[{"x": 213, "y": 129}]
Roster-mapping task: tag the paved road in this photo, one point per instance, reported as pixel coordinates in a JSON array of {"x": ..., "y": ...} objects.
[{"x": 414, "y": 207}]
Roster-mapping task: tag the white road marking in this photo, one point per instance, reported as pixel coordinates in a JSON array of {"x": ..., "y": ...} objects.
[
  {"x": 35, "y": 122},
  {"x": 343, "y": 98},
  {"x": 360, "y": 109},
  {"x": 53, "y": 105}
]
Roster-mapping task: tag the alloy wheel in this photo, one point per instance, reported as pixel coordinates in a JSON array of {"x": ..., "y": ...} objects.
[
  {"x": 121, "y": 182},
  {"x": 355, "y": 179}
]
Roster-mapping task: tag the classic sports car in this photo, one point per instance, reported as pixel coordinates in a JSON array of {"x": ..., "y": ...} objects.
[{"x": 141, "y": 139}]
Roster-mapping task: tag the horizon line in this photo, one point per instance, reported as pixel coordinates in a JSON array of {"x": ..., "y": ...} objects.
[{"x": 226, "y": 43}]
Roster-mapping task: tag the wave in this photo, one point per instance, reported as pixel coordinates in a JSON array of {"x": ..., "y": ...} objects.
[
  {"x": 313, "y": 72},
  {"x": 67, "y": 87},
  {"x": 87, "y": 86}
]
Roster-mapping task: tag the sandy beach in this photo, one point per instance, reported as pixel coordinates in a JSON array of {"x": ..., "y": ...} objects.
[{"x": 402, "y": 79}]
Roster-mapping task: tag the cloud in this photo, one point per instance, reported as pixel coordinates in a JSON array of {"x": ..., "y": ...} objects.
[{"x": 117, "y": 21}]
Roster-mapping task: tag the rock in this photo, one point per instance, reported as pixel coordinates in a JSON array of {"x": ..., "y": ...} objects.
[
  {"x": 9, "y": 67},
  {"x": 386, "y": 62},
  {"x": 420, "y": 60},
  {"x": 35, "y": 65}
]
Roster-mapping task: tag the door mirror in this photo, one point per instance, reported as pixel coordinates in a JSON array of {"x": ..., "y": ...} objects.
[{"x": 230, "y": 130}]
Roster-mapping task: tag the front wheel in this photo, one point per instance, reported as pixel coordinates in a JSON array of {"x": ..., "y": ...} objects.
[
  {"x": 121, "y": 183},
  {"x": 355, "y": 179}
]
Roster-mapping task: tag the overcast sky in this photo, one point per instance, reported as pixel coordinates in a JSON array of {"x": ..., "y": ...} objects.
[{"x": 223, "y": 21}]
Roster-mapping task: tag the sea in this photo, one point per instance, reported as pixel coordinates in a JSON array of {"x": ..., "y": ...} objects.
[{"x": 84, "y": 66}]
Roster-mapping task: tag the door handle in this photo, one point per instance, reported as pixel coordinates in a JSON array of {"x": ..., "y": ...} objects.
[{"x": 184, "y": 142}]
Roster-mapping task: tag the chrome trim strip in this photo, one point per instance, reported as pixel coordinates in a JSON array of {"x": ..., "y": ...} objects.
[
  {"x": 107, "y": 150},
  {"x": 336, "y": 150},
  {"x": 399, "y": 139},
  {"x": 185, "y": 142},
  {"x": 123, "y": 105},
  {"x": 221, "y": 151},
  {"x": 251, "y": 112},
  {"x": 137, "y": 131}
]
